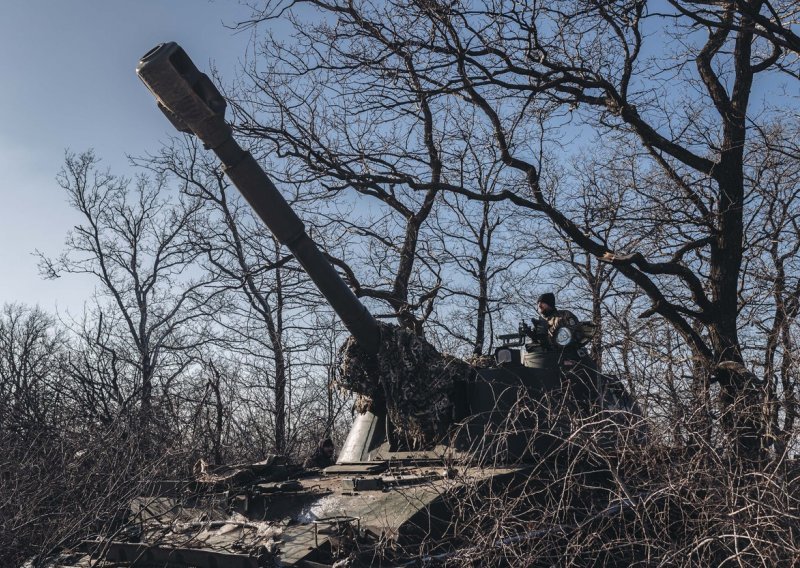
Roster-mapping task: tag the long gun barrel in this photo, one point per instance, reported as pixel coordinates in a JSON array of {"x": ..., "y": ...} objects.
[{"x": 194, "y": 105}]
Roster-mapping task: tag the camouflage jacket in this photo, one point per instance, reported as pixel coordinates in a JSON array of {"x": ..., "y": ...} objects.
[{"x": 559, "y": 318}]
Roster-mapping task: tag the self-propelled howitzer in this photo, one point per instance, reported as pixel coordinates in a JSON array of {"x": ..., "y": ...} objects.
[{"x": 391, "y": 496}]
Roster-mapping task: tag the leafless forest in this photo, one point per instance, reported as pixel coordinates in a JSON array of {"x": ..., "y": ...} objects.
[{"x": 454, "y": 160}]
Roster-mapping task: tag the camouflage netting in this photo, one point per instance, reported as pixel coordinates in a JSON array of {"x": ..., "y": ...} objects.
[{"x": 409, "y": 379}]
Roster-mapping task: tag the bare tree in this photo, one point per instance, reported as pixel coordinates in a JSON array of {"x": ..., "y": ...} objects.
[
  {"x": 327, "y": 142},
  {"x": 485, "y": 251},
  {"x": 602, "y": 203},
  {"x": 685, "y": 114},
  {"x": 63, "y": 474},
  {"x": 134, "y": 243},
  {"x": 771, "y": 292},
  {"x": 97, "y": 382},
  {"x": 268, "y": 295},
  {"x": 31, "y": 349}
]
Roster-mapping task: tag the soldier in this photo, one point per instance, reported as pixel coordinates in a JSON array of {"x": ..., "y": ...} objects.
[
  {"x": 555, "y": 318},
  {"x": 578, "y": 368},
  {"x": 322, "y": 456}
]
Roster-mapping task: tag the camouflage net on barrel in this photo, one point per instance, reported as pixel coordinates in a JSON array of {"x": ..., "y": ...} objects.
[{"x": 409, "y": 379}]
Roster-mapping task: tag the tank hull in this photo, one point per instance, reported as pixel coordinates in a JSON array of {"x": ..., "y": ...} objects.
[{"x": 374, "y": 514}]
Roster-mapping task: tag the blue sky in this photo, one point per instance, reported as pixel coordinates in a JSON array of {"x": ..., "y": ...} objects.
[{"x": 68, "y": 81}]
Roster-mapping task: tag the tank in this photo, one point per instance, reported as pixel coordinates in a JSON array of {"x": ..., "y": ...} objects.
[{"x": 432, "y": 430}]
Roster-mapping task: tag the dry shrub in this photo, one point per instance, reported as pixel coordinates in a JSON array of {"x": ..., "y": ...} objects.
[
  {"x": 58, "y": 487},
  {"x": 605, "y": 495}
]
